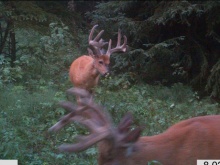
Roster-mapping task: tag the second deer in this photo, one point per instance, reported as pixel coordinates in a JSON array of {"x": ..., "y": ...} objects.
[
  {"x": 85, "y": 71},
  {"x": 182, "y": 144}
]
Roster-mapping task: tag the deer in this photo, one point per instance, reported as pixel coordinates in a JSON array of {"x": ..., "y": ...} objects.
[
  {"x": 85, "y": 71},
  {"x": 181, "y": 144}
]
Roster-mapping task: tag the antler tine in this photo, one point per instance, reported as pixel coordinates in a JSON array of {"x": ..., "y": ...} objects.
[
  {"x": 98, "y": 124},
  {"x": 69, "y": 117},
  {"x": 125, "y": 123},
  {"x": 95, "y": 112},
  {"x": 118, "y": 48},
  {"x": 99, "y": 35},
  {"x": 78, "y": 91},
  {"x": 98, "y": 113},
  {"x": 92, "y": 31},
  {"x": 132, "y": 136},
  {"x": 84, "y": 143},
  {"x": 74, "y": 110},
  {"x": 97, "y": 45},
  {"x": 119, "y": 38},
  {"x": 96, "y": 135},
  {"x": 86, "y": 95}
]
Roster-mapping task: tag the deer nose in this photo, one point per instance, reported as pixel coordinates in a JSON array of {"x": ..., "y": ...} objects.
[{"x": 105, "y": 72}]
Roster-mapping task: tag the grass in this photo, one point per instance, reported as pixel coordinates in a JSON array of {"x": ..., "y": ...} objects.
[{"x": 25, "y": 118}]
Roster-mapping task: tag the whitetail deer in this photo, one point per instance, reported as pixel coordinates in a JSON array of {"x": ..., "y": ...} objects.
[
  {"x": 85, "y": 71},
  {"x": 182, "y": 144}
]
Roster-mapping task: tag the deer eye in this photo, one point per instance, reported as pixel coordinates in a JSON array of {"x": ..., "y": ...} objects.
[{"x": 101, "y": 62}]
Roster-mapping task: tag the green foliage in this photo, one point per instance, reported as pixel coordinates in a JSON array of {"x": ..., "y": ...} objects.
[
  {"x": 116, "y": 82},
  {"x": 9, "y": 74},
  {"x": 176, "y": 11},
  {"x": 42, "y": 61},
  {"x": 154, "y": 162},
  {"x": 45, "y": 47},
  {"x": 56, "y": 39},
  {"x": 26, "y": 14},
  {"x": 213, "y": 84}
]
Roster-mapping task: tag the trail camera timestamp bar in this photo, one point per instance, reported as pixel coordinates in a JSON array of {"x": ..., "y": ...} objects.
[
  {"x": 208, "y": 162},
  {"x": 8, "y": 162}
]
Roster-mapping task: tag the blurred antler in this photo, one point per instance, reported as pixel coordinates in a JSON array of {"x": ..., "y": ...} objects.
[
  {"x": 97, "y": 121},
  {"x": 96, "y": 43},
  {"x": 119, "y": 47}
]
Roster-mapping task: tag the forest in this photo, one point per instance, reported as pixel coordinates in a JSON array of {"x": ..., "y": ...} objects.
[{"x": 170, "y": 72}]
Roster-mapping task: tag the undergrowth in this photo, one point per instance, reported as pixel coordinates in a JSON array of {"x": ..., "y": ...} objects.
[{"x": 25, "y": 118}]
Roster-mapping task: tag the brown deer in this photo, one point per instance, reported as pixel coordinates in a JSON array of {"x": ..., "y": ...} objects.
[
  {"x": 85, "y": 70},
  {"x": 182, "y": 144}
]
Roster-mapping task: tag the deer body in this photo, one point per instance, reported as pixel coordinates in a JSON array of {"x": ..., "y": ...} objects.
[
  {"x": 85, "y": 71},
  {"x": 181, "y": 144}
]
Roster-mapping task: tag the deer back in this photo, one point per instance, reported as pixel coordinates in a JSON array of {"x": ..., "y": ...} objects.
[{"x": 84, "y": 71}]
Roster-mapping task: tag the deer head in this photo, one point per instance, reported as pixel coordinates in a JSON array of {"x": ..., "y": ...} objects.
[{"x": 102, "y": 59}]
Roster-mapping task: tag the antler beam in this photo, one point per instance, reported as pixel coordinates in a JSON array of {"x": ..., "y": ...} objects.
[
  {"x": 97, "y": 121},
  {"x": 118, "y": 48},
  {"x": 96, "y": 43}
]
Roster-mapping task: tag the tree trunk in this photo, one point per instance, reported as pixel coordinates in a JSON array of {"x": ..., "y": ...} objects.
[
  {"x": 12, "y": 48},
  {"x": 4, "y": 39}
]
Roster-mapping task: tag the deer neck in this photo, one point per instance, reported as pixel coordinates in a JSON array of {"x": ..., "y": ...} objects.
[
  {"x": 156, "y": 147},
  {"x": 144, "y": 150},
  {"x": 106, "y": 151}
]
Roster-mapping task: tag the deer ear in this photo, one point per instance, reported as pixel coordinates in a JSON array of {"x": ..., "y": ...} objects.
[
  {"x": 130, "y": 139},
  {"x": 125, "y": 123},
  {"x": 132, "y": 136},
  {"x": 90, "y": 52}
]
